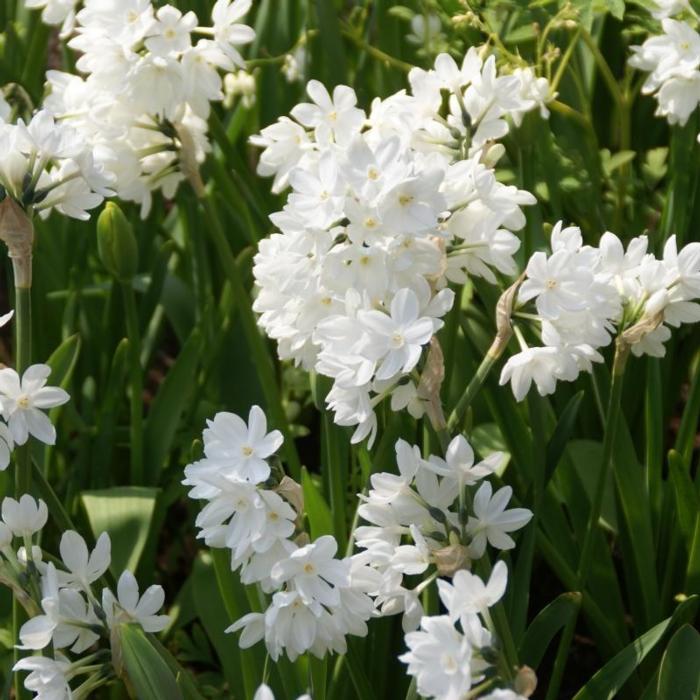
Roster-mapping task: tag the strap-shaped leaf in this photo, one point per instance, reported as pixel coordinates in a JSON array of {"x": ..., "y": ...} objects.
[
  {"x": 609, "y": 680},
  {"x": 545, "y": 626},
  {"x": 147, "y": 674},
  {"x": 125, "y": 513},
  {"x": 679, "y": 674}
]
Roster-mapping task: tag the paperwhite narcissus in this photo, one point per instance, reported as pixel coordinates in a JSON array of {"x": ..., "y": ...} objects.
[
  {"x": 24, "y": 517},
  {"x": 23, "y": 402},
  {"x": 242, "y": 448},
  {"x": 491, "y": 520},
  {"x": 84, "y": 567},
  {"x": 583, "y": 295},
  {"x": 385, "y": 204},
  {"x": 129, "y": 606}
]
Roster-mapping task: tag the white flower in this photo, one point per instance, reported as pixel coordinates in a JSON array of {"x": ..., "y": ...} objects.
[
  {"x": 397, "y": 339},
  {"x": 24, "y": 517},
  {"x": 439, "y": 657},
  {"x": 47, "y": 678},
  {"x": 66, "y": 621},
  {"x": 337, "y": 115},
  {"x": 128, "y": 606},
  {"x": 459, "y": 466},
  {"x": 242, "y": 449},
  {"x": 84, "y": 567},
  {"x": 543, "y": 365},
  {"x": 21, "y": 402},
  {"x": 468, "y": 594},
  {"x": 170, "y": 32},
  {"x": 228, "y": 31},
  {"x": 557, "y": 283},
  {"x": 492, "y": 521},
  {"x": 314, "y": 572}
]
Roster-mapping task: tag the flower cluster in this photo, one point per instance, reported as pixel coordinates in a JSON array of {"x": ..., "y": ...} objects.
[
  {"x": 147, "y": 89},
  {"x": 672, "y": 60},
  {"x": 317, "y": 599},
  {"x": 46, "y": 164},
  {"x": 584, "y": 296},
  {"x": 430, "y": 520},
  {"x": 63, "y": 606},
  {"x": 385, "y": 209},
  {"x": 22, "y": 402}
]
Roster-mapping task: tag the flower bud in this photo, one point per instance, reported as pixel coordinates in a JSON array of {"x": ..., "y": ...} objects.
[{"x": 116, "y": 243}]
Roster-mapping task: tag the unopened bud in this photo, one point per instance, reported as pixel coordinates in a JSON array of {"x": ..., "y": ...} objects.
[
  {"x": 492, "y": 154},
  {"x": 116, "y": 243}
]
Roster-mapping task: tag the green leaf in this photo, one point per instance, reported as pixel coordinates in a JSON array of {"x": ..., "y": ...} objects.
[
  {"x": 333, "y": 56},
  {"x": 679, "y": 674},
  {"x": 147, "y": 673},
  {"x": 185, "y": 681},
  {"x": 63, "y": 359},
  {"x": 167, "y": 409},
  {"x": 561, "y": 435},
  {"x": 317, "y": 510},
  {"x": 609, "y": 680},
  {"x": 687, "y": 501},
  {"x": 545, "y": 626},
  {"x": 125, "y": 513}
]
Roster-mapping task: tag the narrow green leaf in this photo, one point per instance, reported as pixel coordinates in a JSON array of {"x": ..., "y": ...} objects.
[
  {"x": 147, "y": 673},
  {"x": 333, "y": 58},
  {"x": 63, "y": 359},
  {"x": 545, "y": 626},
  {"x": 184, "y": 679},
  {"x": 679, "y": 674},
  {"x": 125, "y": 513},
  {"x": 562, "y": 434},
  {"x": 609, "y": 680},
  {"x": 167, "y": 409},
  {"x": 317, "y": 510},
  {"x": 687, "y": 501},
  {"x": 692, "y": 577}
]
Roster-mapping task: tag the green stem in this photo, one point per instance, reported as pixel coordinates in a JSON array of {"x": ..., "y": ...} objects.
[
  {"x": 23, "y": 474},
  {"x": 136, "y": 382},
  {"x": 560, "y": 660},
  {"x": 377, "y": 53},
  {"x": 56, "y": 508},
  {"x": 477, "y": 381},
  {"x": 613, "y": 414},
  {"x": 604, "y": 68},
  {"x": 622, "y": 350},
  {"x": 256, "y": 343}
]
